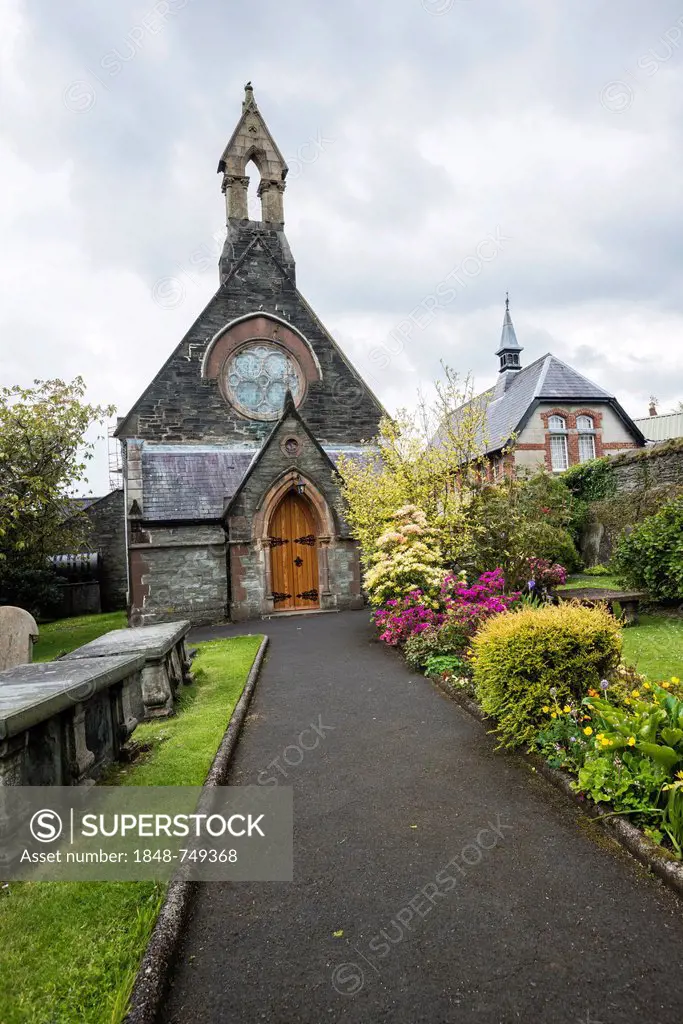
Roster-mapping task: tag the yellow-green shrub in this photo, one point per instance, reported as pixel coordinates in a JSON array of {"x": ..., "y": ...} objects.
[{"x": 539, "y": 657}]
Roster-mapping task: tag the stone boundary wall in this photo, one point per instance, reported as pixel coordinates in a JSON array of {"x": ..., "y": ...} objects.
[{"x": 651, "y": 476}]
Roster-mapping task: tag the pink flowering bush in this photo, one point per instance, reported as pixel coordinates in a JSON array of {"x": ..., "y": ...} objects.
[
  {"x": 457, "y": 616},
  {"x": 544, "y": 574},
  {"x": 479, "y": 602},
  {"x": 399, "y": 618}
]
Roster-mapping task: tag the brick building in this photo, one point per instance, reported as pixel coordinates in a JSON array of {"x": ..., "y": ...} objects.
[
  {"x": 232, "y": 492},
  {"x": 547, "y": 414}
]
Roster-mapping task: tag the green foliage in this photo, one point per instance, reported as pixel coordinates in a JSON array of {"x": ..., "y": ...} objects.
[
  {"x": 515, "y": 520},
  {"x": 448, "y": 640},
  {"x": 449, "y": 665},
  {"x": 673, "y": 814},
  {"x": 597, "y": 570},
  {"x": 26, "y": 583},
  {"x": 43, "y": 456},
  {"x": 525, "y": 660},
  {"x": 651, "y": 727},
  {"x": 406, "y": 558},
  {"x": 634, "y": 784},
  {"x": 651, "y": 556},
  {"x": 590, "y": 481},
  {"x": 421, "y": 646},
  {"x": 415, "y": 460}
]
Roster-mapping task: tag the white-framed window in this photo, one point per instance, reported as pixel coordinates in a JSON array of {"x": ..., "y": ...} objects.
[
  {"x": 557, "y": 423},
  {"x": 586, "y": 447},
  {"x": 585, "y": 427},
  {"x": 559, "y": 457}
]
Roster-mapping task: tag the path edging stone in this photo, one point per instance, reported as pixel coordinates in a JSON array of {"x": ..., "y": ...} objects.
[
  {"x": 153, "y": 975},
  {"x": 661, "y": 863}
]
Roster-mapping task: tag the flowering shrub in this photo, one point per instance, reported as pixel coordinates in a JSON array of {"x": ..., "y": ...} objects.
[
  {"x": 402, "y": 617},
  {"x": 544, "y": 574},
  {"x": 407, "y": 559},
  {"x": 470, "y": 607},
  {"x": 624, "y": 742}
]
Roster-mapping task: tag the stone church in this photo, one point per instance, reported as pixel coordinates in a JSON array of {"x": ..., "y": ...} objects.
[{"x": 232, "y": 492}]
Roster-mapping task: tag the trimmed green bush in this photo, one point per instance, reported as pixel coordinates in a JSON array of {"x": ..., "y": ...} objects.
[
  {"x": 527, "y": 660},
  {"x": 651, "y": 556}
]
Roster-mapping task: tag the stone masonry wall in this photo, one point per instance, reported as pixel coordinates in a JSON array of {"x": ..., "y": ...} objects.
[
  {"x": 107, "y": 534},
  {"x": 649, "y": 477},
  {"x": 179, "y": 573}
]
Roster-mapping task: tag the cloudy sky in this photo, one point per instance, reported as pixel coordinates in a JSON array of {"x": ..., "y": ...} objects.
[{"x": 440, "y": 152}]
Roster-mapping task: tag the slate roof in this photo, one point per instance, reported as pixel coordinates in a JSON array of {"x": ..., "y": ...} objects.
[
  {"x": 195, "y": 482},
  {"x": 546, "y": 379}
]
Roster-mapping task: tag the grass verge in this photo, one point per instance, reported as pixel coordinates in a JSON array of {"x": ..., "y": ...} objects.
[
  {"x": 65, "y": 635},
  {"x": 70, "y": 951},
  {"x": 655, "y": 646}
]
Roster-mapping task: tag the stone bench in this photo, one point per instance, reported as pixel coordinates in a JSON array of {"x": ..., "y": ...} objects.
[
  {"x": 62, "y": 722},
  {"x": 166, "y": 666},
  {"x": 628, "y": 599}
]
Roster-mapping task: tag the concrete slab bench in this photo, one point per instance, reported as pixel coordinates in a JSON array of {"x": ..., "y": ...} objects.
[
  {"x": 628, "y": 599},
  {"x": 62, "y": 722},
  {"x": 166, "y": 665}
]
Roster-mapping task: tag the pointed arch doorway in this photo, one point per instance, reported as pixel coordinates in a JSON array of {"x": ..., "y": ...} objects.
[{"x": 294, "y": 554}]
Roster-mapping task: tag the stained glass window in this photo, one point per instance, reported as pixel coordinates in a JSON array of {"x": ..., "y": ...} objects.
[{"x": 258, "y": 377}]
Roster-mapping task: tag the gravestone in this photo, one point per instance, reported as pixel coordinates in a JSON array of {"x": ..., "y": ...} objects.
[{"x": 18, "y": 631}]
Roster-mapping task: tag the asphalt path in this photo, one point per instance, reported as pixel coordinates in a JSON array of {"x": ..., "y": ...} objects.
[{"x": 435, "y": 878}]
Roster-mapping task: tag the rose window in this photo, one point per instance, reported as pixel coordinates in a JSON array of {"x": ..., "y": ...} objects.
[{"x": 258, "y": 377}]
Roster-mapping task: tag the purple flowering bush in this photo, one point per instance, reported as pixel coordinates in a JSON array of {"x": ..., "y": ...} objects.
[
  {"x": 399, "y": 618},
  {"x": 470, "y": 606},
  {"x": 448, "y": 623}
]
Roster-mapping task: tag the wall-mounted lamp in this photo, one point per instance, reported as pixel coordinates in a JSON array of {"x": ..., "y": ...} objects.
[{"x": 300, "y": 485}]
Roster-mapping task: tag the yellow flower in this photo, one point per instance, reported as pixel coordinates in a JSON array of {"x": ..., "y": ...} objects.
[
  {"x": 605, "y": 742},
  {"x": 588, "y": 731},
  {"x": 635, "y": 693},
  {"x": 631, "y": 741},
  {"x": 627, "y": 700},
  {"x": 646, "y": 686},
  {"x": 553, "y": 714},
  {"x": 546, "y": 709},
  {"x": 679, "y": 775},
  {"x": 566, "y": 709},
  {"x": 666, "y": 684},
  {"x": 675, "y": 680}
]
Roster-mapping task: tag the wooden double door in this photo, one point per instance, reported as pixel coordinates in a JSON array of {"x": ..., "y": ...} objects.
[{"x": 294, "y": 555}]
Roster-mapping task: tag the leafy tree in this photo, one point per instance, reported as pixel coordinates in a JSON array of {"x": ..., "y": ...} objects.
[
  {"x": 431, "y": 459},
  {"x": 43, "y": 457}
]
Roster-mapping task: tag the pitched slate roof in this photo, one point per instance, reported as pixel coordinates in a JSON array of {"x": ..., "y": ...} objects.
[
  {"x": 191, "y": 481},
  {"x": 508, "y": 407},
  {"x": 195, "y": 482}
]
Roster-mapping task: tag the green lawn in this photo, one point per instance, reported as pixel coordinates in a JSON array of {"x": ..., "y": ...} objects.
[
  {"x": 604, "y": 582},
  {"x": 655, "y": 646},
  {"x": 65, "y": 635},
  {"x": 69, "y": 951}
]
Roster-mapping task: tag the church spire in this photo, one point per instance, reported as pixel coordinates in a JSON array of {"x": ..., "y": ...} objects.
[
  {"x": 251, "y": 141},
  {"x": 509, "y": 348}
]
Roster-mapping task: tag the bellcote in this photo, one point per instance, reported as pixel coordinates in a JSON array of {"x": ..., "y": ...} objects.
[
  {"x": 509, "y": 349},
  {"x": 251, "y": 141}
]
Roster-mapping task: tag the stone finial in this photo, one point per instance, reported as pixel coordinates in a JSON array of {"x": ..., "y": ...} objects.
[
  {"x": 653, "y": 405},
  {"x": 18, "y": 632},
  {"x": 248, "y": 100}
]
